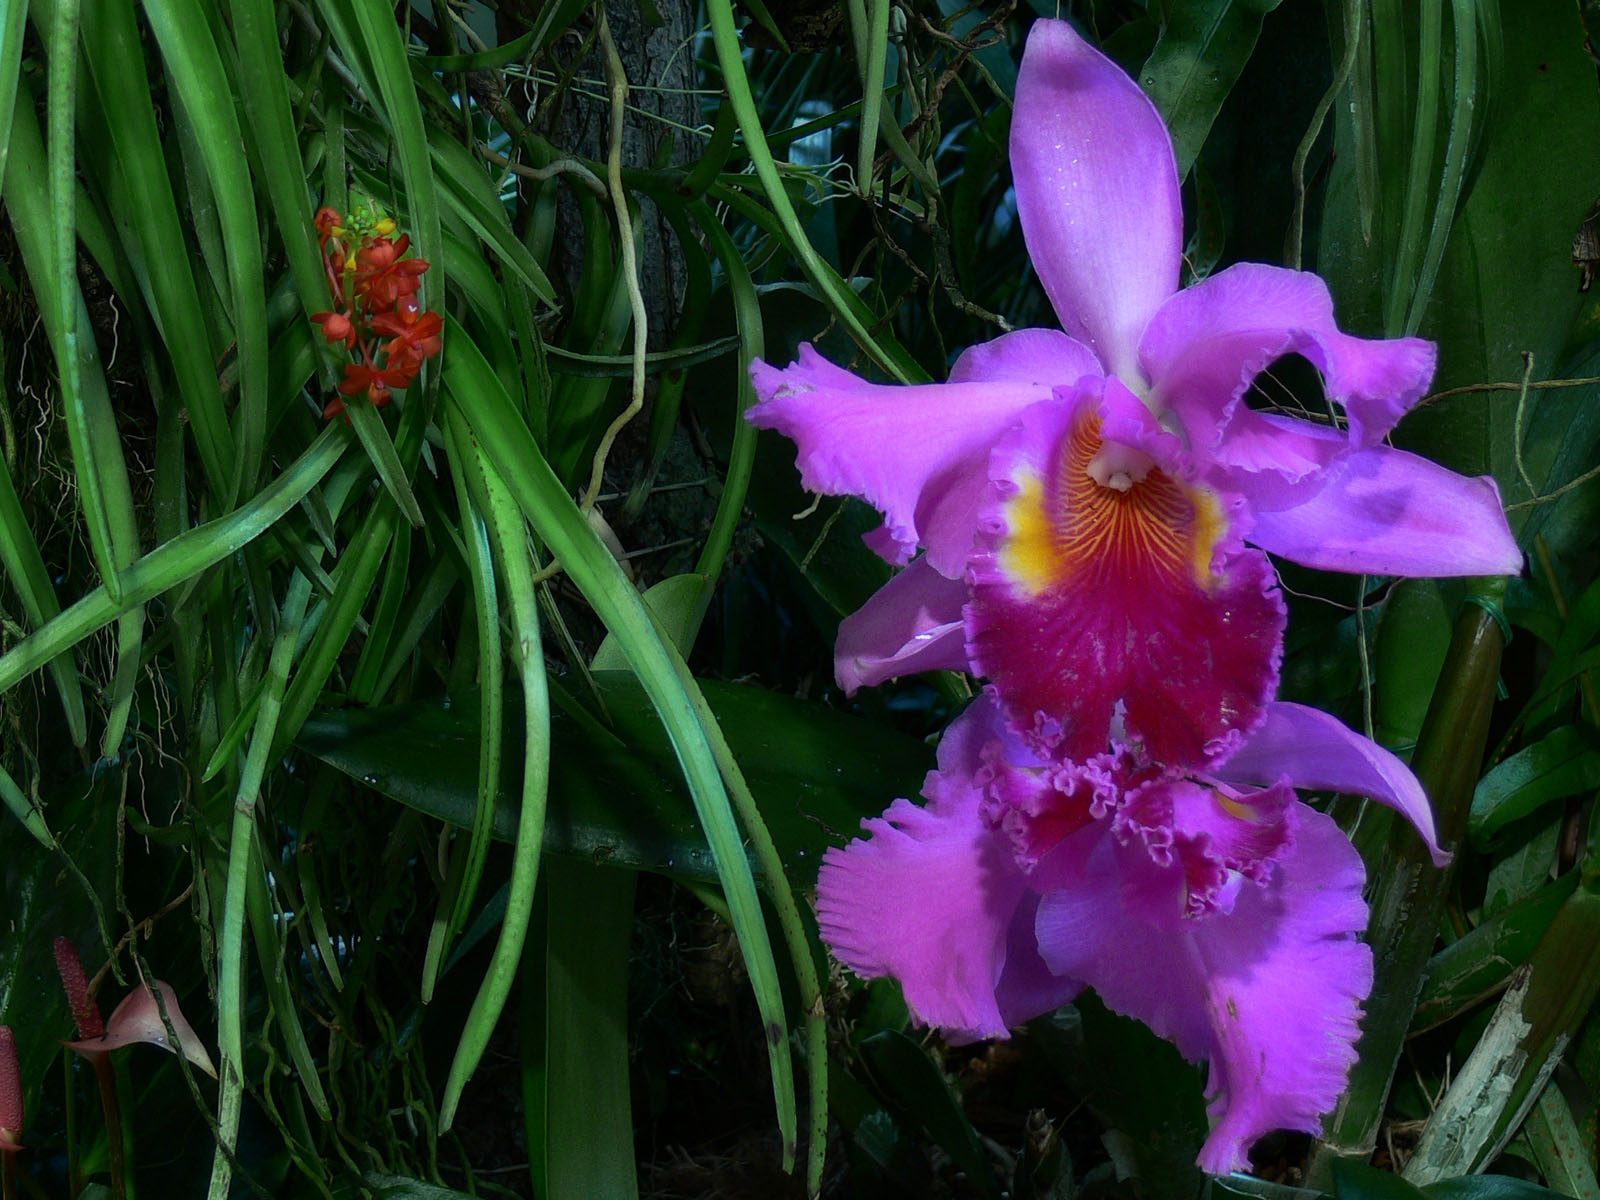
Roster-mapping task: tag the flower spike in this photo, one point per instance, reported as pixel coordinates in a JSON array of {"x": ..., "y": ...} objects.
[
  {"x": 12, "y": 1116},
  {"x": 85, "y": 1012},
  {"x": 373, "y": 289}
]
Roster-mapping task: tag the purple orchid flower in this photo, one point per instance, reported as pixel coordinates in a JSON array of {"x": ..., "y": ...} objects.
[
  {"x": 1083, "y": 498},
  {"x": 1217, "y": 908}
]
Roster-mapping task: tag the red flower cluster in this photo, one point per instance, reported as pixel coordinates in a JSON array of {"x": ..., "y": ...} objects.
[{"x": 374, "y": 291}]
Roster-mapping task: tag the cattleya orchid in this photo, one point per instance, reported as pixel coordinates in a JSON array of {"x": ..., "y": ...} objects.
[
  {"x": 1093, "y": 509},
  {"x": 1092, "y": 505},
  {"x": 1217, "y": 908}
]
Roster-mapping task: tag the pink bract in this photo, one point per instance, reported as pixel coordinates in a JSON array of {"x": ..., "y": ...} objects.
[{"x": 138, "y": 1019}]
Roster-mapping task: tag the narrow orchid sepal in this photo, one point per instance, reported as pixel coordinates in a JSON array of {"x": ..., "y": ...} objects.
[
  {"x": 1314, "y": 750},
  {"x": 1386, "y": 512},
  {"x": 913, "y": 623}
]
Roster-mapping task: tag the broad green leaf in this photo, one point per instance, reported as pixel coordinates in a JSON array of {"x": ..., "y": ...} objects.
[
  {"x": 614, "y": 793},
  {"x": 1563, "y": 764},
  {"x": 1559, "y": 1147},
  {"x": 1506, "y": 284},
  {"x": 588, "y": 1115},
  {"x": 395, "y": 1187},
  {"x": 1487, "y": 1187},
  {"x": 1199, "y": 56},
  {"x": 1413, "y": 636},
  {"x": 1357, "y": 1181},
  {"x": 675, "y": 604},
  {"x": 1474, "y": 967},
  {"x": 915, "y": 1085},
  {"x": 1138, "y": 1085}
]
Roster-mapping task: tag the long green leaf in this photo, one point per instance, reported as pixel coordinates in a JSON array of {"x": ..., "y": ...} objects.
[
  {"x": 12, "y": 26},
  {"x": 508, "y": 532},
  {"x": 475, "y": 390},
  {"x": 1202, "y": 51},
  {"x": 176, "y": 561},
  {"x": 725, "y": 38},
  {"x": 383, "y": 50},
  {"x": 201, "y": 83},
  {"x": 113, "y": 47},
  {"x": 264, "y": 94},
  {"x": 241, "y": 853},
  {"x": 24, "y": 565}
]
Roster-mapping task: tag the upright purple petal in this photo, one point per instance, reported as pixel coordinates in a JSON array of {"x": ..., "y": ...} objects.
[
  {"x": 912, "y": 623},
  {"x": 1385, "y": 512},
  {"x": 1313, "y": 750},
  {"x": 1097, "y": 192},
  {"x": 1105, "y": 582},
  {"x": 930, "y": 898},
  {"x": 918, "y": 454},
  {"x": 1209, "y": 342},
  {"x": 1268, "y": 993}
]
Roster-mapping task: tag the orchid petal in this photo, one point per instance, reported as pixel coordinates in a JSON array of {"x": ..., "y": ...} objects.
[
  {"x": 1213, "y": 838},
  {"x": 1097, "y": 192},
  {"x": 1386, "y": 512},
  {"x": 1313, "y": 750},
  {"x": 918, "y": 454},
  {"x": 912, "y": 623},
  {"x": 1208, "y": 343},
  {"x": 1267, "y": 457},
  {"x": 1100, "y": 579},
  {"x": 138, "y": 1019},
  {"x": 930, "y": 897},
  {"x": 927, "y": 899},
  {"x": 1269, "y": 993},
  {"x": 1028, "y": 988},
  {"x": 1045, "y": 356}
]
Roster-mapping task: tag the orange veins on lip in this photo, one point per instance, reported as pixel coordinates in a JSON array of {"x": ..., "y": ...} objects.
[{"x": 1068, "y": 526}]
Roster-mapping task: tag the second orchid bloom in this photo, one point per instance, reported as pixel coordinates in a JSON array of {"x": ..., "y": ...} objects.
[{"x": 1084, "y": 518}]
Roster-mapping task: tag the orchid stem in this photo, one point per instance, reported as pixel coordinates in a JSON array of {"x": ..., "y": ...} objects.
[{"x": 113, "y": 1114}]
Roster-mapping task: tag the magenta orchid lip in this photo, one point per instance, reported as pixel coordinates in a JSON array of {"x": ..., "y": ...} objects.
[{"x": 1084, "y": 517}]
